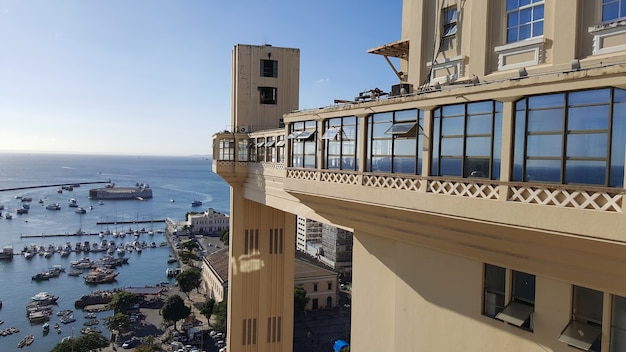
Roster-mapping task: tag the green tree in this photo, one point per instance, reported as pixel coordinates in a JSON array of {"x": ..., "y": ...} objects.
[
  {"x": 186, "y": 256},
  {"x": 174, "y": 309},
  {"x": 221, "y": 311},
  {"x": 119, "y": 322},
  {"x": 85, "y": 343},
  {"x": 123, "y": 300},
  {"x": 224, "y": 237},
  {"x": 207, "y": 308},
  {"x": 190, "y": 245},
  {"x": 300, "y": 300},
  {"x": 188, "y": 280}
]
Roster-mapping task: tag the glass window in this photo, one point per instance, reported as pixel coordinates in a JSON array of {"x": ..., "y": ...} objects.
[
  {"x": 449, "y": 21},
  {"x": 269, "y": 68},
  {"x": 524, "y": 19},
  {"x": 242, "y": 149},
  {"x": 613, "y": 9},
  {"x": 572, "y": 138},
  {"x": 395, "y": 142},
  {"x": 519, "y": 311},
  {"x": 340, "y": 141},
  {"x": 303, "y": 144},
  {"x": 465, "y": 137},
  {"x": 618, "y": 324},
  {"x": 268, "y": 95},
  {"x": 585, "y": 329},
  {"x": 494, "y": 287}
]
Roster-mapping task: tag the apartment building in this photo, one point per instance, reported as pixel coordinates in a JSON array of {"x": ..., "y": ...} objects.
[
  {"x": 308, "y": 235},
  {"x": 484, "y": 190}
]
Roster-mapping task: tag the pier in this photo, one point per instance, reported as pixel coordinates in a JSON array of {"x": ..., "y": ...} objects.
[
  {"x": 54, "y": 185},
  {"x": 129, "y": 222},
  {"x": 61, "y": 235}
]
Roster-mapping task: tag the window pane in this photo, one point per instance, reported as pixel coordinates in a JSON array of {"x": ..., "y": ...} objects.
[
  {"x": 538, "y": 29},
  {"x": 588, "y": 118},
  {"x": 587, "y": 304},
  {"x": 495, "y": 278},
  {"x": 594, "y": 96},
  {"x": 525, "y": 15},
  {"x": 476, "y": 167},
  {"x": 543, "y": 170},
  {"x": 545, "y": 145},
  {"x": 618, "y": 324},
  {"x": 381, "y": 164},
  {"x": 380, "y": 129},
  {"x": 587, "y": 145},
  {"x": 381, "y": 147},
  {"x": 537, "y": 13},
  {"x": 545, "y": 120},
  {"x": 404, "y": 165},
  {"x": 478, "y": 146},
  {"x": 452, "y": 146},
  {"x": 450, "y": 167},
  {"x": 453, "y": 110},
  {"x": 452, "y": 126},
  {"x": 523, "y": 287},
  {"x": 618, "y": 145},
  {"x": 610, "y": 11},
  {"x": 511, "y": 4},
  {"x": 585, "y": 172},
  {"x": 479, "y": 124},
  {"x": 480, "y": 107},
  {"x": 406, "y": 115},
  {"x": 546, "y": 101},
  {"x": 511, "y": 35},
  {"x": 348, "y": 163},
  {"x": 404, "y": 147}
]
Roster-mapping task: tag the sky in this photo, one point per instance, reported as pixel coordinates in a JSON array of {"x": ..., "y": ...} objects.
[{"x": 153, "y": 77}]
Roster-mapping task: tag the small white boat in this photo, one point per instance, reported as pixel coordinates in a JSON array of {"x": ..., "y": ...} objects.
[{"x": 80, "y": 210}]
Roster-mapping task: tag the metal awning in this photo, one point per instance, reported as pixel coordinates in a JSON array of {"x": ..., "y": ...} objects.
[
  {"x": 399, "y": 49},
  {"x": 580, "y": 335},
  {"x": 331, "y": 133},
  {"x": 516, "y": 313},
  {"x": 401, "y": 128}
]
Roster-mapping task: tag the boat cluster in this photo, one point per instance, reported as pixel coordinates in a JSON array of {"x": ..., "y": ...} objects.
[
  {"x": 53, "y": 272},
  {"x": 9, "y": 331},
  {"x": 41, "y": 306},
  {"x": 26, "y": 341}
]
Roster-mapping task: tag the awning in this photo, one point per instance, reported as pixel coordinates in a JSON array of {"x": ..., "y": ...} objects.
[
  {"x": 331, "y": 133},
  {"x": 516, "y": 313},
  {"x": 401, "y": 128},
  {"x": 580, "y": 335},
  {"x": 399, "y": 49},
  {"x": 339, "y": 344}
]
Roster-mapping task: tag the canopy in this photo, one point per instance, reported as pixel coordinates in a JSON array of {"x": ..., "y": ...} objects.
[{"x": 339, "y": 344}]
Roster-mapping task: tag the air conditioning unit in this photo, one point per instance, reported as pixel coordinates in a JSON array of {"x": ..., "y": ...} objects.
[
  {"x": 401, "y": 89},
  {"x": 243, "y": 129}
]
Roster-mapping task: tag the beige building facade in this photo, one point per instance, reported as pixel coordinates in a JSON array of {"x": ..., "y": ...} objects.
[
  {"x": 484, "y": 190},
  {"x": 208, "y": 222}
]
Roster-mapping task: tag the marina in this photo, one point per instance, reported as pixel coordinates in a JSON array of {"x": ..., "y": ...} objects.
[{"x": 42, "y": 230}]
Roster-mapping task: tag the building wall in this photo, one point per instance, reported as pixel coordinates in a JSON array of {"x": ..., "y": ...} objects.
[
  {"x": 209, "y": 222},
  {"x": 446, "y": 292},
  {"x": 214, "y": 286},
  {"x": 247, "y": 111}
]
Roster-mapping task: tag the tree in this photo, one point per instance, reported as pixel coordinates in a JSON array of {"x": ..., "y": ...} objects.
[
  {"x": 190, "y": 245},
  {"x": 123, "y": 300},
  {"x": 85, "y": 343},
  {"x": 207, "y": 308},
  {"x": 148, "y": 344},
  {"x": 119, "y": 322},
  {"x": 188, "y": 280},
  {"x": 224, "y": 237},
  {"x": 186, "y": 256},
  {"x": 220, "y": 316},
  {"x": 174, "y": 309},
  {"x": 300, "y": 300}
]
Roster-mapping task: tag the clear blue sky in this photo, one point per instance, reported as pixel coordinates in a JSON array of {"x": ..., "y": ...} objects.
[{"x": 153, "y": 76}]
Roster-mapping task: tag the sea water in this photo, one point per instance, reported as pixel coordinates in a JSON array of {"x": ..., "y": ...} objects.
[{"x": 175, "y": 183}]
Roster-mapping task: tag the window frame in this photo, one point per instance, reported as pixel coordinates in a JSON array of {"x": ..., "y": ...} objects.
[
  {"x": 385, "y": 143},
  {"x": 469, "y": 114},
  {"x": 269, "y": 68},
  {"x": 341, "y": 143},
  {"x": 517, "y": 11},
  {"x": 590, "y": 327},
  {"x": 449, "y": 21},
  {"x": 268, "y": 95},
  {"x": 609, "y": 166},
  {"x": 303, "y": 144}
]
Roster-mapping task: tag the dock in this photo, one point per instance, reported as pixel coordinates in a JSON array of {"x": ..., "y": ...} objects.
[
  {"x": 54, "y": 185},
  {"x": 129, "y": 222},
  {"x": 61, "y": 235}
]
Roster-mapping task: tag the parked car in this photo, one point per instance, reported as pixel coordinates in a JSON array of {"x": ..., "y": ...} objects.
[{"x": 129, "y": 344}]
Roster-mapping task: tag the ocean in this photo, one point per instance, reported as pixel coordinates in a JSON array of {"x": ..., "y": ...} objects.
[{"x": 175, "y": 183}]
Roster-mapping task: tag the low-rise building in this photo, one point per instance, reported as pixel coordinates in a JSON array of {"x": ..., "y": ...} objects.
[
  {"x": 319, "y": 281},
  {"x": 209, "y": 222}
]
